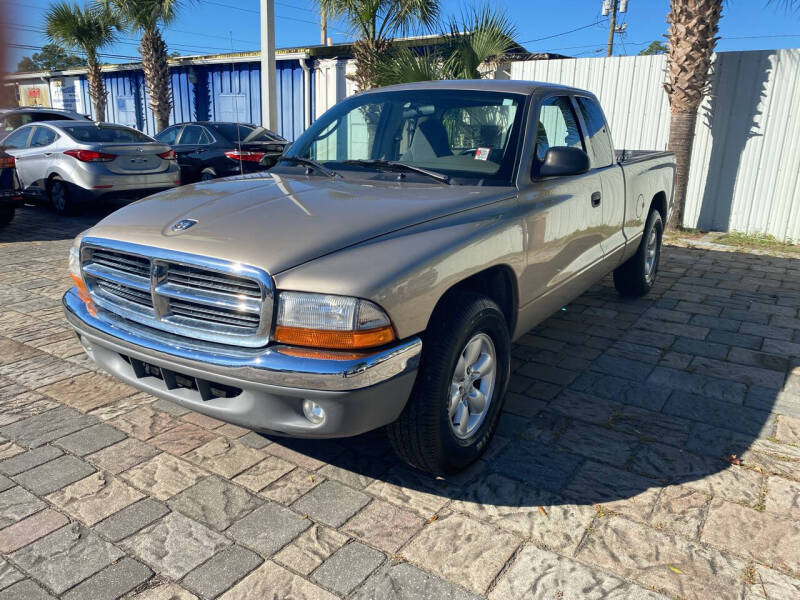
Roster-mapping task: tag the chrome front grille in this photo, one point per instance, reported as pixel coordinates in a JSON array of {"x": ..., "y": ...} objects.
[{"x": 184, "y": 294}]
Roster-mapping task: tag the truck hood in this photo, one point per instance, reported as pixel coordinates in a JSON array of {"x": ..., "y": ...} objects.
[{"x": 277, "y": 222}]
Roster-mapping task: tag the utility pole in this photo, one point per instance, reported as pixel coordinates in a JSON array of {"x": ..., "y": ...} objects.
[
  {"x": 612, "y": 28},
  {"x": 269, "y": 97},
  {"x": 323, "y": 27}
]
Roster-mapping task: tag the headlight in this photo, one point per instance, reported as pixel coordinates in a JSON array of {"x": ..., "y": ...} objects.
[
  {"x": 327, "y": 321},
  {"x": 77, "y": 279}
]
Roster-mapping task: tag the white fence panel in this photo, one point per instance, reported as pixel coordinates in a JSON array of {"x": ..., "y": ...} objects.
[{"x": 745, "y": 173}]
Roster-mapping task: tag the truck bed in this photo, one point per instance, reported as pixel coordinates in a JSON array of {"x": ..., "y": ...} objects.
[{"x": 633, "y": 156}]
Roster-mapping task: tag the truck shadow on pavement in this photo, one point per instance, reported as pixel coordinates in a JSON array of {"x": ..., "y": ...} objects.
[
  {"x": 613, "y": 402},
  {"x": 38, "y": 223}
]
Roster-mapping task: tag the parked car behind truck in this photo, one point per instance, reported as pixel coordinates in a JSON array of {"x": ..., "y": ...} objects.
[
  {"x": 379, "y": 273},
  {"x": 68, "y": 163}
]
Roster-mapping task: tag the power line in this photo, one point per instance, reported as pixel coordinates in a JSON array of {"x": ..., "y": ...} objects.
[{"x": 555, "y": 35}]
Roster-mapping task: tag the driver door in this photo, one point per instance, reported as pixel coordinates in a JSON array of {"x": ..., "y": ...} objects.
[{"x": 562, "y": 216}]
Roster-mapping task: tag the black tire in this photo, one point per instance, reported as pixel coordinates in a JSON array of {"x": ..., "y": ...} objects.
[
  {"x": 635, "y": 277},
  {"x": 6, "y": 215},
  {"x": 58, "y": 194},
  {"x": 423, "y": 435},
  {"x": 208, "y": 174}
]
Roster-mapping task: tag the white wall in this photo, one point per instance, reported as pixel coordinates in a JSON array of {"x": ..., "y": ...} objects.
[{"x": 745, "y": 173}]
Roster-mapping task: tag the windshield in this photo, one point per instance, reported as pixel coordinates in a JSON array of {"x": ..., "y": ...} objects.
[
  {"x": 96, "y": 133},
  {"x": 471, "y": 136}
]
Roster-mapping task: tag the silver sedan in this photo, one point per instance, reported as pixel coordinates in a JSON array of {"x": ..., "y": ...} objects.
[{"x": 69, "y": 162}]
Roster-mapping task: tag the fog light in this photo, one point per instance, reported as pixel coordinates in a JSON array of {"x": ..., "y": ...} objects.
[{"x": 313, "y": 412}]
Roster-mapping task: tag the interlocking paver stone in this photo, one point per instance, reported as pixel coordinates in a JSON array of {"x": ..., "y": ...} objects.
[
  {"x": 54, "y": 475},
  {"x": 347, "y": 567},
  {"x": 259, "y": 476},
  {"x": 28, "y": 460},
  {"x": 175, "y": 545},
  {"x": 762, "y": 536},
  {"x": 49, "y": 426},
  {"x": 310, "y": 549},
  {"x": 291, "y": 486},
  {"x": 66, "y": 556},
  {"x": 8, "y": 575},
  {"x": 331, "y": 503},
  {"x": 680, "y": 510},
  {"x": 661, "y": 561},
  {"x": 143, "y": 422},
  {"x": 273, "y": 582},
  {"x": 94, "y": 498},
  {"x": 112, "y": 582},
  {"x": 131, "y": 519},
  {"x": 163, "y": 476},
  {"x": 384, "y": 525},
  {"x": 772, "y": 584},
  {"x": 537, "y": 574},
  {"x": 403, "y": 581},
  {"x": 16, "y": 504},
  {"x": 215, "y": 502},
  {"x": 122, "y": 456},
  {"x": 462, "y": 549},
  {"x": 91, "y": 439},
  {"x": 783, "y": 497},
  {"x": 225, "y": 457},
  {"x": 88, "y": 391},
  {"x": 221, "y": 571},
  {"x": 165, "y": 591},
  {"x": 182, "y": 438},
  {"x": 25, "y": 590},
  {"x": 30, "y": 529},
  {"x": 268, "y": 528}
]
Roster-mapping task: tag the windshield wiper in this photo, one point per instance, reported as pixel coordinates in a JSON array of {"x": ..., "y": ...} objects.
[
  {"x": 308, "y": 162},
  {"x": 398, "y": 166}
]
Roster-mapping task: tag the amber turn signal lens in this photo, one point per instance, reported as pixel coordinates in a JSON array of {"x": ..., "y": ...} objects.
[
  {"x": 83, "y": 294},
  {"x": 338, "y": 340}
]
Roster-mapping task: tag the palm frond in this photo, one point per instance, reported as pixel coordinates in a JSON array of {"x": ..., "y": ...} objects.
[
  {"x": 81, "y": 29},
  {"x": 145, "y": 15},
  {"x": 403, "y": 65},
  {"x": 481, "y": 34}
]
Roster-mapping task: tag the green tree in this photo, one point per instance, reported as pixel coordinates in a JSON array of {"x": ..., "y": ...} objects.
[
  {"x": 84, "y": 30},
  {"x": 374, "y": 23},
  {"x": 478, "y": 37},
  {"x": 693, "y": 28},
  {"x": 147, "y": 17},
  {"x": 654, "y": 48},
  {"x": 51, "y": 58}
]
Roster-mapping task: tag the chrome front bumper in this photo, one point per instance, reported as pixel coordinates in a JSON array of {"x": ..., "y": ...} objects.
[{"x": 358, "y": 393}]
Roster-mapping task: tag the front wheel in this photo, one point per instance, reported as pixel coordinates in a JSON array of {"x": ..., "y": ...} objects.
[
  {"x": 454, "y": 407},
  {"x": 638, "y": 274}
]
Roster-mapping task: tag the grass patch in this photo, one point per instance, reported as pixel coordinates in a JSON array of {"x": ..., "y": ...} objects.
[{"x": 759, "y": 241}]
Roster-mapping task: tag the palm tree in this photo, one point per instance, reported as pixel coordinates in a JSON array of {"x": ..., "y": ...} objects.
[
  {"x": 375, "y": 23},
  {"x": 84, "y": 30},
  {"x": 478, "y": 37},
  {"x": 145, "y": 17},
  {"x": 693, "y": 27}
]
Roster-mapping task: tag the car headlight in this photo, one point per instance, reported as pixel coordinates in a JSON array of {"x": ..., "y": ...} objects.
[
  {"x": 77, "y": 278},
  {"x": 327, "y": 321}
]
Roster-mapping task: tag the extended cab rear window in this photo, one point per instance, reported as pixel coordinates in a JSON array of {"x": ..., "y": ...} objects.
[{"x": 114, "y": 135}]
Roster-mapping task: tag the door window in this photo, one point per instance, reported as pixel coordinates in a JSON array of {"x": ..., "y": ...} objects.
[
  {"x": 597, "y": 132},
  {"x": 43, "y": 136},
  {"x": 18, "y": 139},
  {"x": 169, "y": 135},
  {"x": 192, "y": 134},
  {"x": 558, "y": 126}
]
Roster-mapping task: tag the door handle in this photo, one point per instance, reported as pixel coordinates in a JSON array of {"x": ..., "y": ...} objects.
[
  {"x": 199, "y": 150},
  {"x": 596, "y": 199},
  {"x": 48, "y": 154}
]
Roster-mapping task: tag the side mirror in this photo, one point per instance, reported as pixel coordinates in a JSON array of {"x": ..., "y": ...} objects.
[{"x": 562, "y": 160}]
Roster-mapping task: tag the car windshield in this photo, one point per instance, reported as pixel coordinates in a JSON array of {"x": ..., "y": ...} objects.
[
  {"x": 470, "y": 136},
  {"x": 114, "y": 135},
  {"x": 246, "y": 133}
]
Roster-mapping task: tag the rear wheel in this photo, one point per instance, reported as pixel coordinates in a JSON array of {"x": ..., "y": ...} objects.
[
  {"x": 208, "y": 175},
  {"x": 59, "y": 196},
  {"x": 6, "y": 215},
  {"x": 638, "y": 274},
  {"x": 454, "y": 407}
]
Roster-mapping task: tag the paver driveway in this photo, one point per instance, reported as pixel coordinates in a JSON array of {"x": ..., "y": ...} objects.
[{"x": 607, "y": 479}]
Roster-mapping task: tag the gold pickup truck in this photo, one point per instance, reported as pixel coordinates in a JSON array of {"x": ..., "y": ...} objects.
[{"x": 377, "y": 275}]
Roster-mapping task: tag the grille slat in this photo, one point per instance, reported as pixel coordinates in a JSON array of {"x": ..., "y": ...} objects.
[{"x": 186, "y": 299}]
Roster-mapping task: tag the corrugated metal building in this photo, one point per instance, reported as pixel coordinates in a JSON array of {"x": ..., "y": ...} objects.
[
  {"x": 745, "y": 171},
  {"x": 214, "y": 88}
]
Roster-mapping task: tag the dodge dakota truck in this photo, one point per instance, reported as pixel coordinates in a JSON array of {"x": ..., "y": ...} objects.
[{"x": 378, "y": 274}]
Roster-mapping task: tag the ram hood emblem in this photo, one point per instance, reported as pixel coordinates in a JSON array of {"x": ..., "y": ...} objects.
[{"x": 183, "y": 225}]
